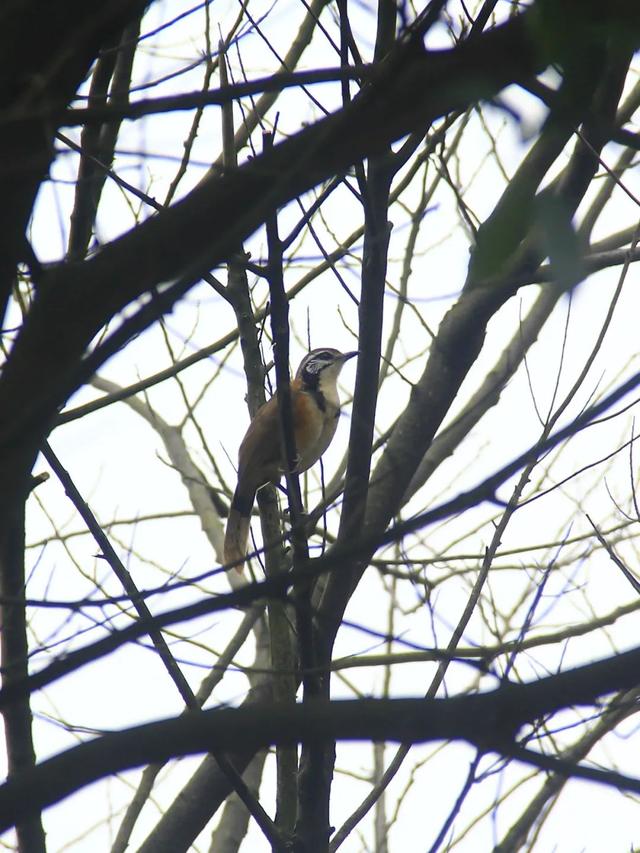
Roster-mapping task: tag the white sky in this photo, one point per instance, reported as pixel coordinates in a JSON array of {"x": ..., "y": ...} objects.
[{"x": 116, "y": 461}]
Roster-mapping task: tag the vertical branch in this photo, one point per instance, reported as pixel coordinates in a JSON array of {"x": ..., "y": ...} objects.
[
  {"x": 370, "y": 312},
  {"x": 14, "y": 651},
  {"x": 282, "y": 652},
  {"x": 240, "y": 300},
  {"x": 237, "y": 291},
  {"x": 289, "y": 794},
  {"x": 380, "y": 814},
  {"x": 280, "y": 330},
  {"x": 375, "y": 190},
  {"x": 312, "y": 824},
  {"x": 317, "y": 760},
  {"x": 113, "y": 70}
]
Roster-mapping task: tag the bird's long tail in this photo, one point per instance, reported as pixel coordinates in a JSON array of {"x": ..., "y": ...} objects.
[{"x": 237, "y": 532}]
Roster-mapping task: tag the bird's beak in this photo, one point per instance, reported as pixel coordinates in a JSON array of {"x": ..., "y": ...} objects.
[{"x": 347, "y": 355}]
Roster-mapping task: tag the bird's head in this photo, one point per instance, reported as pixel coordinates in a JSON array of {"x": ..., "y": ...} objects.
[{"x": 320, "y": 367}]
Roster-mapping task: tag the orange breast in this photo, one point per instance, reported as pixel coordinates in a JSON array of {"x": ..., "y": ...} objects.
[{"x": 260, "y": 460}]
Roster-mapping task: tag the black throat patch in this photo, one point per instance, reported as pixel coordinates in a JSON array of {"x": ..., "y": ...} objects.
[{"x": 311, "y": 384}]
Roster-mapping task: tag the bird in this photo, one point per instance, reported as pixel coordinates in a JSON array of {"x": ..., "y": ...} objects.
[{"x": 315, "y": 408}]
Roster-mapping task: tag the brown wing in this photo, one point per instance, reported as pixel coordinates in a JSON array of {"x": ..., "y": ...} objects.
[{"x": 259, "y": 455}]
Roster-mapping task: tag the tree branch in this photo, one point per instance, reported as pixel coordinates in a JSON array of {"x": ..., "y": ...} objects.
[{"x": 489, "y": 720}]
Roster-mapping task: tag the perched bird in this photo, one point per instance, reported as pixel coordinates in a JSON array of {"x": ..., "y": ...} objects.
[{"x": 315, "y": 407}]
